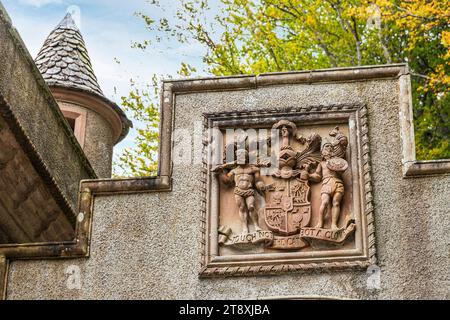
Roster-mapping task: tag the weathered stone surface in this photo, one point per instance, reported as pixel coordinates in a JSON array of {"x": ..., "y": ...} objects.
[
  {"x": 147, "y": 245},
  {"x": 283, "y": 213},
  {"x": 99, "y": 145},
  {"x": 39, "y": 115},
  {"x": 29, "y": 211}
]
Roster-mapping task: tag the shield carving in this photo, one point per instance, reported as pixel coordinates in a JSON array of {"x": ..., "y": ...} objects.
[{"x": 288, "y": 208}]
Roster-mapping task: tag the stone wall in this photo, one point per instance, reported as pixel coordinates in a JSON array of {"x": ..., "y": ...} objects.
[
  {"x": 98, "y": 140},
  {"x": 24, "y": 90},
  {"x": 99, "y": 144},
  {"x": 147, "y": 245}
]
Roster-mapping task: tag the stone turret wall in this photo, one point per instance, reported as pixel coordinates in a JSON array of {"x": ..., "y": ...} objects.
[
  {"x": 99, "y": 148},
  {"x": 97, "y": 141}
]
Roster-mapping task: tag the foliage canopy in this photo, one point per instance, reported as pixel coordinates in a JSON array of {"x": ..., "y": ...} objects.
[{"x": 256, "y": 36}]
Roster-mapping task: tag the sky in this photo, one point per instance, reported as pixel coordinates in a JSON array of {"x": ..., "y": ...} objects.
[{"x": 109, "y": 27}]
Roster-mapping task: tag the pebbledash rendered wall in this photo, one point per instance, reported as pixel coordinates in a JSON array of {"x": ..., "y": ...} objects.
[{"x": 147, "y": 245}]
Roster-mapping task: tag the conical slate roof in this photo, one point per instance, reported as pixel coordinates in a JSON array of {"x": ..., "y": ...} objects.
[{"x": 64, "y": 60}]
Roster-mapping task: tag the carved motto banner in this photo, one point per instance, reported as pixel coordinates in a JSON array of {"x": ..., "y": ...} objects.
[{"x": 287, "y": 191}]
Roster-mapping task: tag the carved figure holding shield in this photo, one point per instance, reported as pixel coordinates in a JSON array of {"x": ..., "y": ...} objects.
[
  {"x": 329, "y": 172},
  {"x": 247, "y": 180}
]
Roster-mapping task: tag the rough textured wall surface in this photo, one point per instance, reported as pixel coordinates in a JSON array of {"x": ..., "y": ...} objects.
[
  {"x": 147, "y": 245},
  {"x": 99, "y": 144},
  {"x": 98, "y": 141},
  {"x": 24, "y": 89}
]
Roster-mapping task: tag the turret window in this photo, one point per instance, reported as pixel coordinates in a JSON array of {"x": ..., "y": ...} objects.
[
  {"x": 76, "y": 119},
  {"x": 71, "y": 122}
]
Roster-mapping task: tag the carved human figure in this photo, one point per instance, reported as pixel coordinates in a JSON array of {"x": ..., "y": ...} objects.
[
  {"x": 332, "y": 188},
  {"x": 339, "y": 143},
  {"x": 329, "y": 171},
  {"x": 285, "y": 135},
  {"x": 247, "y": 180}
]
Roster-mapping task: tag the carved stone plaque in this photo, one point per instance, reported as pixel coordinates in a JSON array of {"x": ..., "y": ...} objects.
[{"x": 287, "y": 191}]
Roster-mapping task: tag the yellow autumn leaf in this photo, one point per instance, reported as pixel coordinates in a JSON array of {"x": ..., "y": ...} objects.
[{"x": 446, "y": 38}]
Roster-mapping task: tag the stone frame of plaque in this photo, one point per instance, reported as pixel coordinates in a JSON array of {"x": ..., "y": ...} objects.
[{"x": 359, "y": 254}]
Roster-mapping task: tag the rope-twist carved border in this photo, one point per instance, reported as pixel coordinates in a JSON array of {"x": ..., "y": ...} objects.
[
  {"x": 203, "y": 191},
  {"x": 283, "y": 268}
]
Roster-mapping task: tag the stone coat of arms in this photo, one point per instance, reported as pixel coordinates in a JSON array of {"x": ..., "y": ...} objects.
[{"x": 286, "y": 209}]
